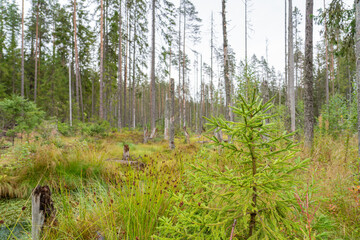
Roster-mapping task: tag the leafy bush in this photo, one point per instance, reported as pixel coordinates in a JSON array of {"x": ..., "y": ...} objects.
[
  {"x": 19, "y": 115},
  {"x": 65, "y": 129},
  {"x": 339, "y": 115},
  {"x": 254, "y": 187},
  {"x": 95, "y": 129}
]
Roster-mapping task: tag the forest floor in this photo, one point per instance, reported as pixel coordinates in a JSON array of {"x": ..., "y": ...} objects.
[{"x": 94, "y": 195}]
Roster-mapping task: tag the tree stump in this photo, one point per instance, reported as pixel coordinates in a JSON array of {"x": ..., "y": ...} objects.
[
  {"x": 43, "y": 211},
  {"x": 186, "y": 135},
  {"x": 126, "y": 154}
]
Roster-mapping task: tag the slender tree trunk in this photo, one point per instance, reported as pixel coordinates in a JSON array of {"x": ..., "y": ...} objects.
[
  {"x": 291, "y": 69},
  {"x": 77, "y": 68},
  {"x": 119, "y": 72},
  {"x": 126, "y": 64},
  {"x": 22, "y": 52},
  {"x": 36, "y": 50},
  {"x": 183, "y": 70},
  {"x": 101, "y": 106},
  {"x": 357, "y": 42},
  {"x": 172, "y": 113},
  {"x": 211, "y": 66},
  {"x": 286, "y": 59},
  {"x": 226, "y": 63},
  {"x": 179, "y": 87},
  {"x": 308, "y": 78},
  {"x": 326, "y": 62},
  {"x": 133, "y": 83},
  {"x": 201, "y": 98},
  {"x": 152, "y": 84}
]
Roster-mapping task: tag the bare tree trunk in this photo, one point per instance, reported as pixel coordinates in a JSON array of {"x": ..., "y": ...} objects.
[
  {"x": 77, "y": 68},
  {"x": 183, "y": 70},
  {"x": 179, "y": 87},
  {"x": 357, "y": 39},
  {"x": 101, "y": 106},
  {"x": 22, "y": 52},
  {"x": 134, "y": 77},
  {"x": 308, "y": 78},
  {"x": 36, "y": 51},
  {"x": 291, "y": 69},
  {"x": 326, "y": 62},
  {"x": 201, "y": 98},
  {"x": 166, "y": 128},
  {"x": 119, "y": 123},
  {"x": 226, "y": 63},
  {"x": 286, "y": 60},
  {"x": 172, "y": 117},
  {"x": 126, "y": 65},
  {"x": 152, "y": 84},
  {"x": 211, "y": 66}
]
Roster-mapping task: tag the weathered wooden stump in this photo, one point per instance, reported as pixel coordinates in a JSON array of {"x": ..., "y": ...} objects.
[
  {"x": 186, "y": 135},
  {"x": 43, "y": 211},
  {"x": 126, "y": 154}
]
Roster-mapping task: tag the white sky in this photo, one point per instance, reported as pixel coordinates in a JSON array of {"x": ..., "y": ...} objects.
[{"x": 267, "y": 20}]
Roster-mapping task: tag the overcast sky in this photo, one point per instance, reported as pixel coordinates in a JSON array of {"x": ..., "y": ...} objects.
[{"x": 267, "y": 22}]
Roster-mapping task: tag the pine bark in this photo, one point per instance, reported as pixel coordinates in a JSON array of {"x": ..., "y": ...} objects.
[
  {"x": 101, "y": 106},
  {"x": 291, "y": 69},
  {"x": 226, "y": 63},
  {"x": 308, "y": 76}
]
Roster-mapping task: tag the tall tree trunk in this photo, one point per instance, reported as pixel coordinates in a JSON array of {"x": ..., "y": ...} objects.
[
  {"x": 291, "y": 69},
  {"x": 152, "y": 84},
  {"x": 308, "y": 78},
  {"x": 22, "y": 52},
  {"x": 226, "y": 63},
  {"x": 77, "y": 69},
  {"x": 183, "y": 70},
  {"x": 36, "y": 50},
  {"x": 286, "y": 59},
  {"x": 357, "y": 39},
  {"x": 126, "y": 64},
  {"x": 119, "y": 72},
  {"x": 134, "y": 77},
  {"x": 326, "y": 62},
  {"x": 179, "y": 87},
  {"x": 172, "y": 113},
  {"x": 211, "y": 66},
  {"x": 101, "y": 104},
  {"x": 201, "y": 98}
]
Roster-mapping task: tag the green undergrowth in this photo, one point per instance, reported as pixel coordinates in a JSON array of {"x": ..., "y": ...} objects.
[{"x": 96, "y": 196}]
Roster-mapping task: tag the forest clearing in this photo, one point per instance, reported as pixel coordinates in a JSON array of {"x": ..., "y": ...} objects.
[{"x": 163, "y": 119}]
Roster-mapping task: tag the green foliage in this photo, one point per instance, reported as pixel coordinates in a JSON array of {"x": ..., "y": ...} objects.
[
  {"x": 339, "y": 115},
  {"x": 254, "y": 186},
  {"x": 19, "y": 115},
  {"x": 95, "y": 129}
]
